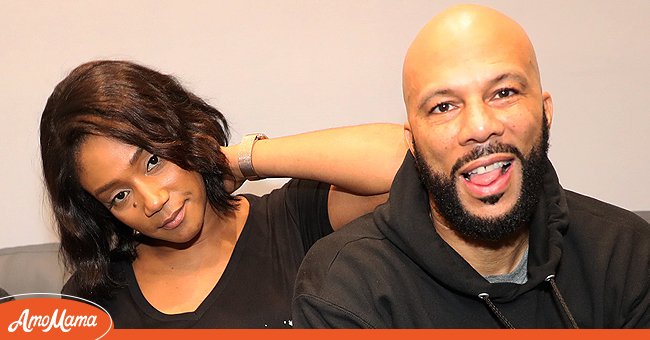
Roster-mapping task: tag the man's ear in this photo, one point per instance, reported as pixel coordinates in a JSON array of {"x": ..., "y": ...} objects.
[
  {"x": 408, "y": 136},
  {"x": 548, "y": 107}
]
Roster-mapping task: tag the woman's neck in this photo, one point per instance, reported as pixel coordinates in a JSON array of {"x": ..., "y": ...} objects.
[{"x": 177, "y": 279}]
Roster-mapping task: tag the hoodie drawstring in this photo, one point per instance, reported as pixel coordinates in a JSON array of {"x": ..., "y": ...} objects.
[
  {"x": 486, "y": 297},
  {"x": 556, "y": 292}
]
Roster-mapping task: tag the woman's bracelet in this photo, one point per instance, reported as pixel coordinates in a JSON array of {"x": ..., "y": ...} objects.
[{"x": 245, "y": 156}]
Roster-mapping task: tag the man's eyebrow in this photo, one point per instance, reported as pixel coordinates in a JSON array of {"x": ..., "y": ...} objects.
[
  {"x": 439, "y": 92},
  {"x": 110, "y": 184},
  {"x": 510, "y": 75}
]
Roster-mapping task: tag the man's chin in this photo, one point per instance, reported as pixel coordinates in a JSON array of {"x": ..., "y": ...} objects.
[
  {"x": 489, "y": 207},
  {"x": 492, "y": 215}
]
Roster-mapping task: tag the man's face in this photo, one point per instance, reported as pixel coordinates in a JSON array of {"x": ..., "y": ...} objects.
[
  {"x": 444, "y": 192},
  {"x": 475, "y": 110}
]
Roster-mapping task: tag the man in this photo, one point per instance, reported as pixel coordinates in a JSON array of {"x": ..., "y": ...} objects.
[{"x": 478, "y": 232}]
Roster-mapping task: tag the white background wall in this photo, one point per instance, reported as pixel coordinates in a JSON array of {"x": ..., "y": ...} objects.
[{"x": 283, "y": 67}]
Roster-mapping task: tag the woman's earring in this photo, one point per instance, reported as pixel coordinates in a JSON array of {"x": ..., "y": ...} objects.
[{"x": 136, "y": 233}]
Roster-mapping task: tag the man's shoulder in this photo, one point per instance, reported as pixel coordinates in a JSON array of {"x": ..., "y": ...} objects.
[
  {"x": 355, "y": 248},
  {"x": 606, "y": 254},
  {"x": 353, "y": 237},
  {"x": 596, "y": 213},
  {"x": 595, "y": 223},
  {"x": 345, "y": 272}
]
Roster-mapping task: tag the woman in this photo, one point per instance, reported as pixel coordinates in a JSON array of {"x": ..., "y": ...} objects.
[{"x": 140, "y": 179}]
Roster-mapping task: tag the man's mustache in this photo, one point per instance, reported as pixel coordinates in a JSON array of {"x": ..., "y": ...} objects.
[{"x": 484, "y": 150}]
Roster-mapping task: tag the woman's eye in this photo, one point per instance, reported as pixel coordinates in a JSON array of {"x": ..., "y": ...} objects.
[
  {"x": 503, "y": 93},
  {"x": 442, "y": 108},
  {"x": 152, "y": 162},
  {"x": 117, "y": 199}
]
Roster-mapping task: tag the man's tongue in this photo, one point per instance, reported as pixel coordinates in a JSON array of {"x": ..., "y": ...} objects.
[{"x": 485, "y": 178}]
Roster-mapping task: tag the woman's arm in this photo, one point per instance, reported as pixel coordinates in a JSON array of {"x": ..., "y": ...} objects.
[{"x": 359, "y": 161}]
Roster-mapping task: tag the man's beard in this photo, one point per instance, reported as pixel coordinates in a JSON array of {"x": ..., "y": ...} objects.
[{"x": 445, "y": 195}]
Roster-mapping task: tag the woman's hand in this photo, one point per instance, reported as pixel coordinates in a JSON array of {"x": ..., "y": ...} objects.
[{"x": 234, "y": 182}]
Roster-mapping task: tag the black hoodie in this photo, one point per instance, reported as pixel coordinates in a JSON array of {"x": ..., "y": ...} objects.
[{"x": 390, "y": 269}]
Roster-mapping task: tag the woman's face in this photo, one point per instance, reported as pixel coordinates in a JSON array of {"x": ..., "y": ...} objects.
[{"x": 148, "y": 193}]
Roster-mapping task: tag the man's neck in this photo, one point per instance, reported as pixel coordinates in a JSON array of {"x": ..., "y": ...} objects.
[{"x": 487, "y": 258}]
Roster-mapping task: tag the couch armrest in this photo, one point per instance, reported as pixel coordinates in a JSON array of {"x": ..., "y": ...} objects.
[{"x": 32, "y": 269}]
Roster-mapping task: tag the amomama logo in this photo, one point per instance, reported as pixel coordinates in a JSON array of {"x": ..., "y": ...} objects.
[{"x": 52, "y": 316}]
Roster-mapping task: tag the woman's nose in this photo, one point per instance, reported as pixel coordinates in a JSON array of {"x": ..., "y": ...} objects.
[{"x": 154, "y": 198}]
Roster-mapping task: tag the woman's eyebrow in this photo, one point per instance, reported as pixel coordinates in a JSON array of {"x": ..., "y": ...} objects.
[{"x": 110, "y": 184}]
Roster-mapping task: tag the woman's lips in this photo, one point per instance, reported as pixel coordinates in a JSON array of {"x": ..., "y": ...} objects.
[{"x": 175, "y": 219}]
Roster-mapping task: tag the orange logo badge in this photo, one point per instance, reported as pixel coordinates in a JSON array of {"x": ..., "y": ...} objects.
[{"x": 52, "y": 316}]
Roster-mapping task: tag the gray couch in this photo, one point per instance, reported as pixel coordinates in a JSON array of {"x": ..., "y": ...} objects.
[
  {"x": 38, "y": 269},
  {"x": 32, "y": 269}
]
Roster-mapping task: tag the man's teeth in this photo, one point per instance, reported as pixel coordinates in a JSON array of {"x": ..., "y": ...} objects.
[
  {"x": 491, "y": 167},
  {"x": 504, "y": 165}
]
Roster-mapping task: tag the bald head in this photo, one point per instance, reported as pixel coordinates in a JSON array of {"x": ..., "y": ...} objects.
[{"x": 466, "y": 40}]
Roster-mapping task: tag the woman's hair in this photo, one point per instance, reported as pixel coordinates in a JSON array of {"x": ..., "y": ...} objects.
[{"x": 140, "y": 107}]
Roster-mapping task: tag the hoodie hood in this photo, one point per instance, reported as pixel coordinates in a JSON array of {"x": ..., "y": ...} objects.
[{"x": 406, "y": 223}]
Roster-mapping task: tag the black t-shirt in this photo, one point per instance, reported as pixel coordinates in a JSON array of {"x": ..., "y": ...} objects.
[{"x": 256, "y": 287}]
